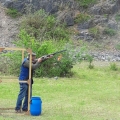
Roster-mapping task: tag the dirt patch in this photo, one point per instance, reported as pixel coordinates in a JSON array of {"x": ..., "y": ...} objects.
[{"x": 8, "y": 27}]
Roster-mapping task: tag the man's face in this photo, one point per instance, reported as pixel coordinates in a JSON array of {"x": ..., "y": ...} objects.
[{"x": 33, "y": 58}]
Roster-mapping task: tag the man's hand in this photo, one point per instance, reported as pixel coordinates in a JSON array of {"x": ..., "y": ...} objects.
[
  {"x": 43, "y": 58},
  {"x": 40, "y": 60},
  {"x": 46, "y": 57}
]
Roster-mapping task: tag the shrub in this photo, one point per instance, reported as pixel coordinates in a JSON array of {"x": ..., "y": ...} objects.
[
  {"x": 12, "y": 13},
  {"x": 117, "y": 46},
  {"x": 117, "y": 17},
  {"x": 89, "y": 58},
  {"x": 86, "y": 3},
  {"x": 94, "y": 31},
  {"x": 110, "y": 32},
  {"x": 113, "y": 67},
  {"x": 43, "y": 26},
  {"x": 51, "y": 67},
  {"x": 10, "y": 63},
  {"x": 62, "y": 67},
  {"x": 82, "y": 18}
]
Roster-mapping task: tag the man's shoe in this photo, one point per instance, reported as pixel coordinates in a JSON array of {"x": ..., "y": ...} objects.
[
  {"x": 25, "y": 110},
  {"x": 17, "y": 111}
]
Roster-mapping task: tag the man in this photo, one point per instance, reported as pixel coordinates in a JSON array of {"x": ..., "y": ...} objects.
[{"x": 24, "y": 76}]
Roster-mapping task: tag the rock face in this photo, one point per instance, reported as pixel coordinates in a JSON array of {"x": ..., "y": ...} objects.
[
  {"x": 105, "y": 8},
  {"x": 106, "y": 56},
  {"x": 50, "y": 6},
  {"x": 103, "y": 16},
  {"x": 8, "y": 29},
  {"x": 65, "y": 10}
]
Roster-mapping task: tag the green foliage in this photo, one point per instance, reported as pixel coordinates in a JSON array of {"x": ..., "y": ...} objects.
[
  {"x": 89, "y": 58},
  {"x": 110, "y": 32},
  {"x": 105, "y": 15},
  {"x": 117, "y": 17},
  {"x": 59, "y": 33},
  {"x": 43, "y": 26},
  {"x": 44, "y": 35},
  {"x": 11, "y": 62},
  {"x": 53, "y": 66},
  {"x": 62, "y": 67},
  {"x": 13, "y": 13},
  {"x": 86, "y": 3},
  {"x": 117, "y": 46},
  {"x": 26, "y": 41},
  {"x": 113, "y": 67},
  {"x": 94, "y": 31},
  {"x": 82, "y": 17}
]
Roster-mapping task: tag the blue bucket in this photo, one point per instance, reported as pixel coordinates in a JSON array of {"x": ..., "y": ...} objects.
[{"x": 35, "y": 106}]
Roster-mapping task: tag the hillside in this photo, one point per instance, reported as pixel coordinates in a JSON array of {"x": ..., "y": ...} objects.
[{"x": 9, "y": 27}]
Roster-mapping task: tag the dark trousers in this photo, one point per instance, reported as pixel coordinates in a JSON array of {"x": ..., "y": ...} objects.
[{"x": 23, "y": 94}]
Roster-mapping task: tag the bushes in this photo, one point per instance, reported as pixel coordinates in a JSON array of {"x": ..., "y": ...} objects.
[
  {"x": 50, "y": 68},
  {"x": 10, "y": 63},
  {"x": 13, "y": 13},
  {"x": 86, "y": 3},
  {"x": 44, "y": 35},
  {"x": 89, "y": 58},
  {"x": 110, "y": 32},
  {"x": 113, "y": 66},
  {"x": 42, "y": 26},
  {"x": 95, "y": 31},
  {"x": 82, "y": 17},
  {"x": 117, "y": 17}
]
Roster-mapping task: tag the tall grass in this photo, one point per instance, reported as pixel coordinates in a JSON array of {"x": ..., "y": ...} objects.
[{"x": 92, "y": 94}]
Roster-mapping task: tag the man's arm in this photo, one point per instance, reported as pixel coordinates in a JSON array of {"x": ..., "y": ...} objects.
[{"x": 34, "y": 66}]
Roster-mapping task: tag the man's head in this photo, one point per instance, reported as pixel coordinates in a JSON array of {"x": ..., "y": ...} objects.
[{"x": 33, "y": 56}]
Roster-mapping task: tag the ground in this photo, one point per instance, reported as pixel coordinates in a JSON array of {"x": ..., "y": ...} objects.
[{"x": 8, "y": 28}]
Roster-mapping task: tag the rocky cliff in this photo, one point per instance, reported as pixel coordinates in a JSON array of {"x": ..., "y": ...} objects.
[
  {"x": 8, "y": 29},
  {"x": 102, "y": 16}
]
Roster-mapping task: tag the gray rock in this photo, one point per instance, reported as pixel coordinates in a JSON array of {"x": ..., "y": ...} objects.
[
  {"x": 69, "y": 20},
  {"x": 85, "y": 25},
  {"x": 50, "y": 6},
  {"x": 112, "y": 24},
  {"x": 105, "y": 8},
  {"x": 99, "y": 19}
]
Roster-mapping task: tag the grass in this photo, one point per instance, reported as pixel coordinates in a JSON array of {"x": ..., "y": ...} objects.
[
  {"x": 92, "y": 94},
  {"x": 13, "y": 13}
]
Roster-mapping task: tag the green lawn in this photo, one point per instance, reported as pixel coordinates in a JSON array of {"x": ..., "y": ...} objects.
[{"x": 92, "y": 94}]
